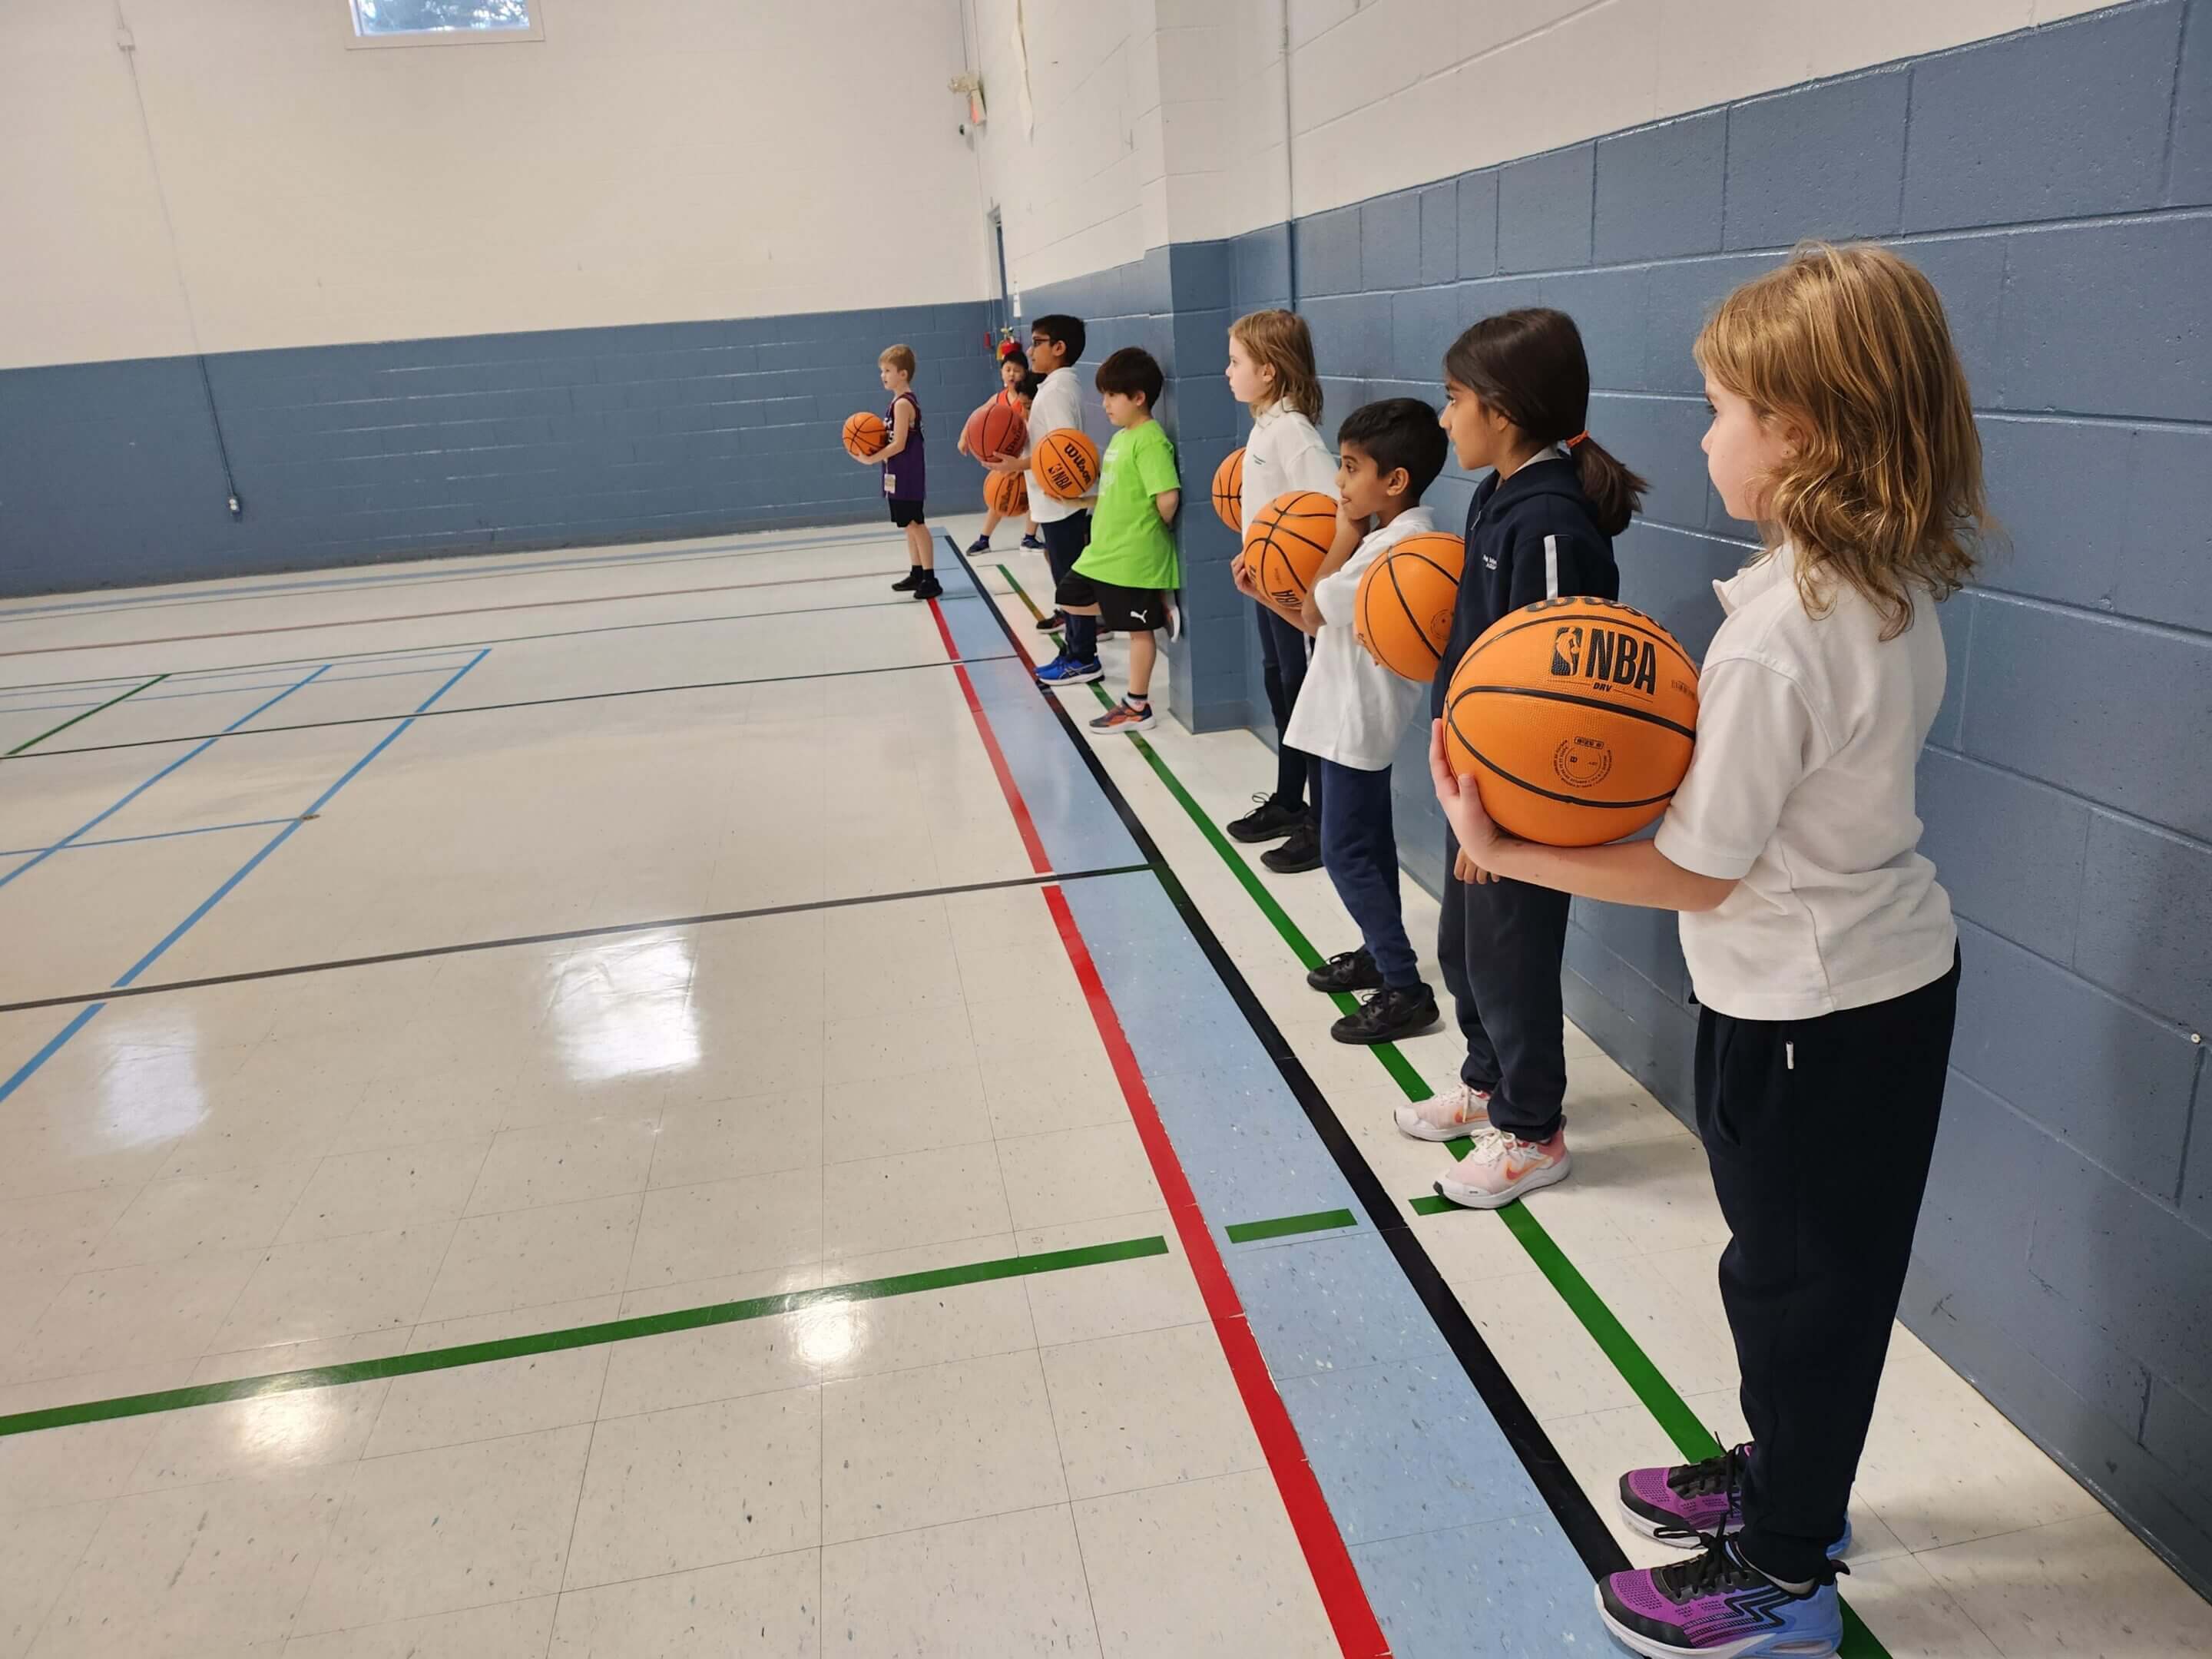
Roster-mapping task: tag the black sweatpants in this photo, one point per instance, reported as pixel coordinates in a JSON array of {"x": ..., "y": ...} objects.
[
  {"x": 1500, "y": 944},
  {"x": 1360, "y": 850},
  {"x": 1820, "y": 1132},
  {"x": 1064, "y": 542},
  {"x": 1283, "y": 667}
]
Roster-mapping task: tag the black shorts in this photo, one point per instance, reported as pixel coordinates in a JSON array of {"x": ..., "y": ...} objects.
[
  {"x": 904, "y": 513},
  {"x": 1128, "y": 609}
]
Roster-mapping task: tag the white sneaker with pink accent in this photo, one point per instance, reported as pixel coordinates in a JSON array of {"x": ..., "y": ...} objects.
[
  {"x": 1463, "y": 1110},
  {"x": 1504, "y": 1167}
]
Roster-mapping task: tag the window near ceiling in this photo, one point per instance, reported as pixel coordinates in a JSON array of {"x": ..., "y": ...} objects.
[{"x": 445, "y": 23}]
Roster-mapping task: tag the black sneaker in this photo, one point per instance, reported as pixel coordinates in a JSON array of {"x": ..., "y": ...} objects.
[
  {"x": 913, "y": 579},
  {"x": 1052, "y": 625},
  {"x": 1301, "y": 853},
  {"x": 929, "y": 587},
  {"x": 1354, "y": 970},
  {"x": 1269, "y": 821},
  {"x": 1387, "y": 1016}
]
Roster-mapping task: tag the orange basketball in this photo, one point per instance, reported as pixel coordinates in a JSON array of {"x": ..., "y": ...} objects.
[
  {"x": 1007, "y": 494},
  {"x": 994, "y": 431},
  {"x": 1066, "y": 464},
  {"x": 1575, "y": 717},
  {"x": 1229, "y": 490},
  {"x": 865, "y": 433},
  {"x": 1288, "y": 542},
  {"x": 1403, "y": 613}
]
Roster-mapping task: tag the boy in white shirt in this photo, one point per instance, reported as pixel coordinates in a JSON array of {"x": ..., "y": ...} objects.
[
  {"x": 1352, "y": 711},
  {"x": 1056, "y": 343}
]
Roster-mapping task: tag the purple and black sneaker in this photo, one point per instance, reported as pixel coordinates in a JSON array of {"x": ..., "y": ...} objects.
[
  {"x": 1691, "y": 1503},
  {"x": 1720, "y": 1606}
]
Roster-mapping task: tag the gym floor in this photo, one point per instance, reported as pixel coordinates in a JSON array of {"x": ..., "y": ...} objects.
[{"x": 665, "y": 1100}]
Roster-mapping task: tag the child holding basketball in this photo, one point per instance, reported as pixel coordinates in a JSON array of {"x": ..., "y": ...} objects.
[
  {"x": 1820, "y": 945},
  {"x": 1127, "y": 577},
  {"x": 1272, "y": 373},
  {"x": 1352, "y": 711},
  {"x": 1056, "y": 341},
  {"x": 1017, "y": 392},
  {"x": 904, "y": 477},
  {"x": 1517, "y": 395}
]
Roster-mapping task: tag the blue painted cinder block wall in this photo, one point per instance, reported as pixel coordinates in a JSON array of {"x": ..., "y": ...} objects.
[
  {"x": 110, "y": 473},
  {"x": 2055, "y": 184}
]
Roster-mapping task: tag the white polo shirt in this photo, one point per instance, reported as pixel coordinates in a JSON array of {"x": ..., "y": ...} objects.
[
  {"x": 1058, "y": 402},
  {"x": 1800, "y": 787},
  {"x": 1352, "y": 709},
  {"x": 1284, "y": 453}
]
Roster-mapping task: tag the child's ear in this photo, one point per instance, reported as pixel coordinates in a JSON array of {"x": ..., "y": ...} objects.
[{"x": 1398, "y": 482}]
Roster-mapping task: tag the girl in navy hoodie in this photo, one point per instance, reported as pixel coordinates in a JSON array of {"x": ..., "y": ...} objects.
[{"x": 1517, "y": 397}]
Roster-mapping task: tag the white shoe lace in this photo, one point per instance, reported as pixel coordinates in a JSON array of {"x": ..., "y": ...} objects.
[{"x": 1490, "y": 1146}]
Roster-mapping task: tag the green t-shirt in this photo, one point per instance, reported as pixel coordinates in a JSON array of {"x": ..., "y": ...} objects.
[{"x": 1129, "y": 546}]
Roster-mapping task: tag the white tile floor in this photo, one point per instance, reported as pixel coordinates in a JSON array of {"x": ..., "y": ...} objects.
[{"x": 343, "y": 1164}]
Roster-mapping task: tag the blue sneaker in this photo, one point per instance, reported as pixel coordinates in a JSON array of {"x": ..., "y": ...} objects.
[
  {"x": 1065, "y": 670},
  {"x": 1718, "y": 1605}
]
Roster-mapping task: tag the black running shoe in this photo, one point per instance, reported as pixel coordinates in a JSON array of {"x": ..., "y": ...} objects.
[
  {"x": 912, "y": 580},
  {"x": 1301, "y": 853},
  {"x": 1269, "y": 821},
  {"x": 929, "y": 587},
  {"x": 1387, "y": 1016},
  {"x": 1353, "y": 970}
]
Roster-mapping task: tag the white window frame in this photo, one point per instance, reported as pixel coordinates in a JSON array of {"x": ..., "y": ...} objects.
[{"x": 355, "y": 40}]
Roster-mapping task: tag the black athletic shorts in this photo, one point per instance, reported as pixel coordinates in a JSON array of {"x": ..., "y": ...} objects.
[
  {"x": 1130, "y": 610},
  {"x": 904, "y": 513}
]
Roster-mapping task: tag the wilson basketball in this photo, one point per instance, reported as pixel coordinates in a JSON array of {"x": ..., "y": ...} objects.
[
  {"x": 1403, "y": 612},
  {"x": 1290, "y": 538},
  {"x": 1575, "y": 717},
  {"x": 1228, "y": 491},
  {"x": 865, "y": 433},
  {"x": 995, "y": 432},
  {"x": 1007, "y": 494},
  {"x": 1066, "y": 464}
]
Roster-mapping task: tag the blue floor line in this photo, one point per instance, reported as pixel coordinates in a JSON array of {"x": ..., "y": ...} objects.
[
  {"x": 158, "y": 835},
  {"x": 200, "y": 748},
  {"x": 227, "y": 691},
  {"x": 22, "y": 1074}
]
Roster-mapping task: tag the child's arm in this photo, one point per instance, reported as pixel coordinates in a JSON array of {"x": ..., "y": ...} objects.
[
  {"x": 901, "y": 423},
  {"x": 1350, "y": 532},
  {"x": 1300, "y": 616},
  {"x": 1166, "y": 504}
]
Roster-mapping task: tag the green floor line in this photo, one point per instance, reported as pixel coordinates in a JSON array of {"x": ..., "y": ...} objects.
[
  {"x": 1283, "y": 1226},
  {"x": 1667, "y": 1407},
  {"x": 33, "y": 743},
  {"x": 1401, "y": 1070},
  {"x": 579, "y": 1336}
]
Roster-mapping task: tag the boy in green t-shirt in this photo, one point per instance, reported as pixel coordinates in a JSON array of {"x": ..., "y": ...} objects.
[{"x": 1128, "y": 576}]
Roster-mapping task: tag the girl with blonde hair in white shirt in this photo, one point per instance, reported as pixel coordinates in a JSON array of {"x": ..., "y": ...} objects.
[
  {"x": 1272, "y": 373},
  {"x": 1821, "y": 949}
]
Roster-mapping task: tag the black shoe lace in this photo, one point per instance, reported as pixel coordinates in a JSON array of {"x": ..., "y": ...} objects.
[{"x": 1717, "y": 1567}]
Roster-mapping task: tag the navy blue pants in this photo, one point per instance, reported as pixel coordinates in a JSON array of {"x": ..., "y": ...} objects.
[
  {"x": 1283, "y": 669},
  {"x": 1064, "y": 542},
  {"x": 1360, "y": 850},
  {"x": 1500, "y": 944}
]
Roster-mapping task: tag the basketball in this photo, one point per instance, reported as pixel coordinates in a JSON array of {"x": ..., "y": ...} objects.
[
  {"x": 865, "y": 433},
  {"x": 1403, "y": 612},
  {"x": 1575, "y": 717},
  {"x": 994, "y": 431},
  {"x": 1229, "y": 490},
  {"x": 1290, "y": 538},
  {"x": 1007, "y": 494},
  {"x": 1066, "y": 464}
]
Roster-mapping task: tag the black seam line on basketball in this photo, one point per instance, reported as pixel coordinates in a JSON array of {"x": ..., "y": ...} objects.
[
  {"x": 604, "y": 930},
  {"x": 434, "y": 615},
  {"x": 389, "y": 653},
  {"x": 1574, "y": 697},
  {"x": 1654, "y": 632},
  {"x": 500, "y": 1348},
  {"x": 1553, "y": 794},
  {"x": 1557, "y": 1484},
  {"x": 528, "y": 703},
  {"x": 1406, "y": 605}
]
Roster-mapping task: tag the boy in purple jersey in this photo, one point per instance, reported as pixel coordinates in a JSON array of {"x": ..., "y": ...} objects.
[{"x": 904, "y": 477}]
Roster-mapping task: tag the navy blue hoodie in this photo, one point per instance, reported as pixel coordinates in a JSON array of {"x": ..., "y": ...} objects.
[{"x": 1522, "y": 535}]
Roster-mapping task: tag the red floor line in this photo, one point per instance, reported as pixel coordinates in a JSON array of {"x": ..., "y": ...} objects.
[{"x": 1344, "y": 1599}]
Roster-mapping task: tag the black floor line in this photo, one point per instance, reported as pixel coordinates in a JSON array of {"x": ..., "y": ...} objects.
[
  {"x": 1562, "y": 1492},
  {"x": 389, "y": 653},
  {"x": 494, "y": 708},
  {"x": 605, "y": 931}
]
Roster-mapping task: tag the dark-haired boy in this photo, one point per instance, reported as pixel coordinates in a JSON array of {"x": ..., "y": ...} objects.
[
  {"x": 1352, "y": 712},
  {"x": 1129, "y": 575},
  {"x": 1056, "y": 341}
]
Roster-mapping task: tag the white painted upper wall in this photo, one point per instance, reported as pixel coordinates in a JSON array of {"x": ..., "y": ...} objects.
[{"x": 650, "y": 160}]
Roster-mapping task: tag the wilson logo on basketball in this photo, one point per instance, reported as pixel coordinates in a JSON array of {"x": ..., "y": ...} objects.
[{"x": 1605, "y": 659}]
